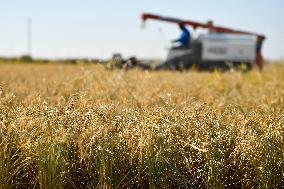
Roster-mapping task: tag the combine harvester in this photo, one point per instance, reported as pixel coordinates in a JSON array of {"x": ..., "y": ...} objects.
[{"x": 221, "y": 48}]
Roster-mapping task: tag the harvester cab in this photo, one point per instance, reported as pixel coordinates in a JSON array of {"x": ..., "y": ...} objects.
[{"x": 219, "y": 48}]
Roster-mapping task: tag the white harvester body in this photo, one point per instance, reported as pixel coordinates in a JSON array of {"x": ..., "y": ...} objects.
[{"x": 228, "y": 47}]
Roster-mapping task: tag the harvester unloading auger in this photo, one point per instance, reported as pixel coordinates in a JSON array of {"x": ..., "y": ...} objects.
[{"x": 221, "y": 47}]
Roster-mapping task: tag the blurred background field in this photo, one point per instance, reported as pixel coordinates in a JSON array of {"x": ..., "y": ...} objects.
[{"x": 84, "y": 126}]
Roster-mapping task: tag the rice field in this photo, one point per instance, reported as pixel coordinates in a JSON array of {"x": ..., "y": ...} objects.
[{"x": 84, "y": 126}]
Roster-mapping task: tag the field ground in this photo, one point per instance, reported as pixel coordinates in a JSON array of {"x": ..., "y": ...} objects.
[{"x": 82, "y": 126}]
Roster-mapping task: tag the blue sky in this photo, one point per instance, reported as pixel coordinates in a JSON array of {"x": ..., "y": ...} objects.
[{"x": 93, "y": 28}]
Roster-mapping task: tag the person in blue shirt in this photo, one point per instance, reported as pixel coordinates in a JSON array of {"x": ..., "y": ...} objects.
[{"x": 185, "y": 36}]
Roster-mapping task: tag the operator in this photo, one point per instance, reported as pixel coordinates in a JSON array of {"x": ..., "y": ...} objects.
[{"x": 185, "y": 36}]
